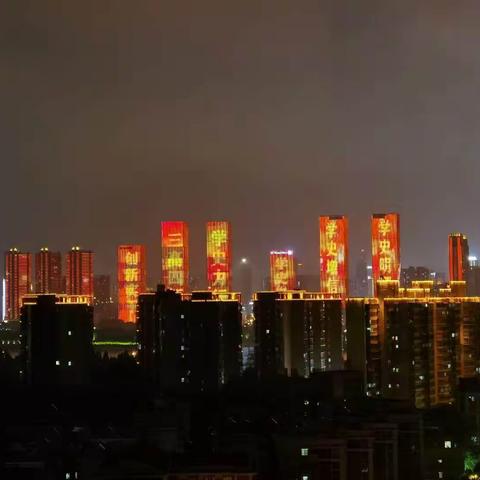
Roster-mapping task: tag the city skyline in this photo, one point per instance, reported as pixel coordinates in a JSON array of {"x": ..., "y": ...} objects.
[
  {"x": 266, "y": 117},
  {"x": 202, "y": 275}
]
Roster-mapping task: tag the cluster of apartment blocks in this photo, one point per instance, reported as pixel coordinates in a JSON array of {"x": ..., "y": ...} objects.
[
  {"x": 408, "y": 343},
  {"x": 48, "y": 276}
]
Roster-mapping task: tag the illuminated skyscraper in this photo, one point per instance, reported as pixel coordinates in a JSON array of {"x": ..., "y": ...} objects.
[
  {"x": 282, "y": 271},
  {"x": 385, "y": 247},
  {"x": 334, "y": 255},
  {"x": 18, "y": 281},
  {"x": 457, "y": 256},
  {"x": 219, "y": 263},
  {"x": 175, "y": 266},
  {"x": 79, "y": 272},
  {"x": 48, "y": 271},
  {"x": 132, "y": 280}
]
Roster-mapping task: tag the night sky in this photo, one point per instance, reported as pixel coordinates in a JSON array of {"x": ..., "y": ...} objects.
[{"x": 116, "y": 115}]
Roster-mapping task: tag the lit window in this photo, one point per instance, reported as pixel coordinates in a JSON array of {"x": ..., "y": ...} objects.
[
  {"x": 267, "y": 332},
  {"x": 67, "y": 476},
  {"x": 305, "y": 477},
  {"x": 440, "y": 474},
  {"x": 57, "y": 362},
  {"x": 440, "y": 460},
  {"x": 69, "y": 363},
  {"x": 448, "y": 444},
  {"x": 69, "y": 333},
  {"x": 304, "y": 452}
]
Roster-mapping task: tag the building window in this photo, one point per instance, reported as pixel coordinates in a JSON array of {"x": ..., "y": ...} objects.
[
  {"x": 57, "y": 362},
  {"x": 305, "y": 477},
  {"x": 448, "y": 444},
  {"x": 69, "y": 363},
  {"x": 304, "y": 452}
]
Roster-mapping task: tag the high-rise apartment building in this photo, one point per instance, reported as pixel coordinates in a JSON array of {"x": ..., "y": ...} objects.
[
  {"x": 175, "y": 260},
  {"x": 79, "y": 272},
  {"x": 132, "y": 280},
  {"x": 473, "y": 277},
  {"x": 412, "y": 344},
  {"x": 48, "y": 271},
  {"x": 18, "y": 281},
  {"x": 385, "y": 247},
  {"x": 458, "y": 253},
  {"x": 189, "y": 343},
  {"x": 57, "y": 334},
  {"x": 282, "y": 271},
  {"x": 219, "y": 256},
  {"x": 334, "y": 255},
  {"x": 297, "y": 333}
]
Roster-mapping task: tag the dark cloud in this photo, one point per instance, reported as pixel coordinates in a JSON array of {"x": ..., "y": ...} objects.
[{"x": 118, "y": 114}]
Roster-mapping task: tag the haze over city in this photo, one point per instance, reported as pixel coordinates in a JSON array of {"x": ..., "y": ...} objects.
[{"x": 267, "y": 114}]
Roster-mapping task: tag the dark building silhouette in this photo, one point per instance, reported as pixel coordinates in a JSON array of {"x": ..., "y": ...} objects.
[
  {"x": 79, "y": 272},
  {"x": 102, "y": 289},
  {"x": 18, "y": 281},
  {"x": 190, "y": 342},
  {"x": 105, "y": 308},
  {"x": 473, "y": 277},
  {"x": 57, "y": 334},
  {"x": 297, "y": 333},
  {"x": 414, "y": 274},
  {"x": 360, "y": 282},
  {"x": 48, "y": 271}
]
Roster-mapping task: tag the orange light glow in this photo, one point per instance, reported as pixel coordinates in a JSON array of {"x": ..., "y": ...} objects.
[
  {"x": 334, "y": 255},
  {"x": 131, "y": 280},
  {"x": 385, "y": 247},
  {"x": 219, "y": 256},
  {"x": 175, "y": 265},
  {"x": 282, "y": 271}
]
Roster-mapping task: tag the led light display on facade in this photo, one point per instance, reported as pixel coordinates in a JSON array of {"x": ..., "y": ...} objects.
[
  {"x": 282, "y": 271},
  {"x": 385, "y": 247},
  {"x": 131, "y": 280},
  {"x": 334, "y": 255},
  {"x": 219, "y": 256},
  {"x": 175, "y": 268}
]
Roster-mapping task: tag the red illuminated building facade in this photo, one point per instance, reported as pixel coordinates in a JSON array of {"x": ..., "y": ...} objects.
[
  {"x": 79, "y": 272},
  {"x": 334, "y": 255},
  {"x": 385, "y": 247},
  {"x": 219, "y": 277},
  {"x": 132, "y": 280},
  {"x": 175, "y": 266},
  {"x": 458, "y": 252},
  {"x": 282, "y": 271},
  {"x": 18, "y": 282},
  {"x": 48, "y": 271}
]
